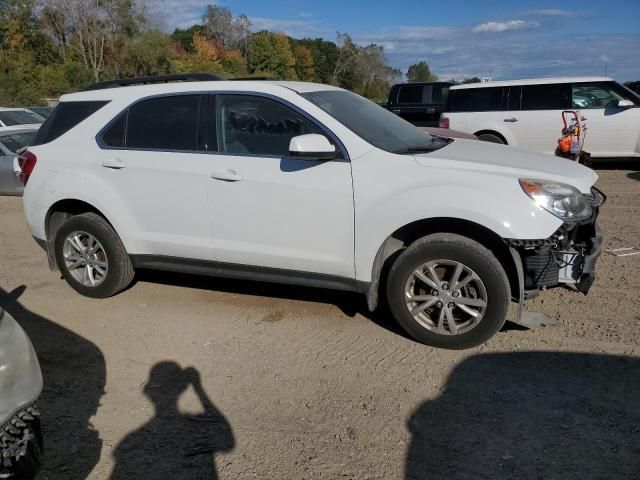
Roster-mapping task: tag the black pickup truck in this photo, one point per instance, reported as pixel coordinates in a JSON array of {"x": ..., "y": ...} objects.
[{"x": 419, "y": 103}]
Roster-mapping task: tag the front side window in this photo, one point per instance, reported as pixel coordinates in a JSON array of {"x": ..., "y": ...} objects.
[
  {"x": 545, "y": 97},
  {"x": 598, "y": 95},
  {"x": 256, "y": 125}
]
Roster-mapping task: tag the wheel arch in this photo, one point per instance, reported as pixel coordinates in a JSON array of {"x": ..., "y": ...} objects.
[
  {"x": 57, "y": 214},
  {"x": 493, "y": 132},
  {"x": 404, "y": 236}
]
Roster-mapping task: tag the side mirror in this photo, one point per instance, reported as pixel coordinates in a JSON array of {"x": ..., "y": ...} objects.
[
  {"x": 313, "y": 147},
  {"x": 626, "y": 104}
]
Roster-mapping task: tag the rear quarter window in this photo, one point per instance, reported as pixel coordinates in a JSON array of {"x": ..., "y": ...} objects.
[{"x": 64, "y": 117}]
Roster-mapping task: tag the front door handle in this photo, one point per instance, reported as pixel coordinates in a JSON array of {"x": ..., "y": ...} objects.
[
  {"x": 114, "y": 163},
  {"x": 511, "y": 119},
  {"x": 226, "y": 176}
]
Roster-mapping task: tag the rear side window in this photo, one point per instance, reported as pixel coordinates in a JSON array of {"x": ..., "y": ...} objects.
[
  {"x": 487, "y": 99},
  {"x": 64, "y": 117},
  {"x": 410, "y": 94},
  {"x": 166, "y": 123},
  {"x": 163, "y": 123},
  {"x": 546, "y": 97}
]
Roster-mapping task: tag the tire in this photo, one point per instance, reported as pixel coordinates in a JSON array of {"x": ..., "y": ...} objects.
[
  {"x": 111, "y": 258},
  {"x": 444, "y": 252},
  {"x": 490, "y": 137}
]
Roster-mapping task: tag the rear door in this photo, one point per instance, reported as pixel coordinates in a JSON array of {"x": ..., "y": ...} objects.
[
  {"x": 267, "y": 209},
  {"x": 153, "y": 165},
  {"x": 473, "y": 110},
  {"x": 534, "y": 119},
  {"x": 611, "y": 131}
]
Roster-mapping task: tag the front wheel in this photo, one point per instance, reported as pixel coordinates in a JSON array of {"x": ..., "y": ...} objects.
[
  {"x": 91, "y": 256},
  {"x": 448, "y": 291}
]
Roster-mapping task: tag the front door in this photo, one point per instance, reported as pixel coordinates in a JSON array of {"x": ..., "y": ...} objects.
[
  {"x": 612, "y": 131},
  {"x": 267, "y": 209}
]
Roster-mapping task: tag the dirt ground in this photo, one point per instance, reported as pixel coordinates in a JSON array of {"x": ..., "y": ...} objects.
[{"x": 187, "y": 377}]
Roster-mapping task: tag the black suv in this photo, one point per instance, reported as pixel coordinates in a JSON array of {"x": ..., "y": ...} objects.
[{"x": 419, "y": 103}]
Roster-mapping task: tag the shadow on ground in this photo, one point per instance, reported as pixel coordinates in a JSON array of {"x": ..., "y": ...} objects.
[
  {"x": 74, "y": 375},
  {"x": 531, "y": 416},
  {"x": 351, "y": 304},
  {"x": 172, "y": 444},
  {"x": 634, "y": 176}
]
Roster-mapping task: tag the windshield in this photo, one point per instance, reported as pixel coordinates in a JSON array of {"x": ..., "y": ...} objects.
[
  {"x": 374, "y": 124},
  {"x": 16, "y": 141},
  {"x": 19, "y": 117}
]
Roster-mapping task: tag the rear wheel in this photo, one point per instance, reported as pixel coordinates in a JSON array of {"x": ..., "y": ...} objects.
[
  {"x": 448, "y": 291},
  {"x": 490, "y": 137},
  {"x": 91, "y": 256}
]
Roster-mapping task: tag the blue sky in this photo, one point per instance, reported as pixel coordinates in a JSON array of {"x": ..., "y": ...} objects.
[{"x": 509, "y": 39}]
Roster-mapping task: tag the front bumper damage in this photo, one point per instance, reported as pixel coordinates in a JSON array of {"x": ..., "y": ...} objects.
[{"x": 568, "y": 257}]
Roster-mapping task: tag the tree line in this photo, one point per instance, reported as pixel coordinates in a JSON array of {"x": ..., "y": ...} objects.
[{"x": 51, "y": 47}]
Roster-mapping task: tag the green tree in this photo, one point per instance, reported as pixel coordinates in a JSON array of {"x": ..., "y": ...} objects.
[
  {"x": 471, "y": 80},
  {"x": 234, "y": 63},
  {"x": 304, "y": 66},
  {"x": 271, "y": 53},
  {"x": 420, "y": 72},
  {"x": 185, "y": 36}
]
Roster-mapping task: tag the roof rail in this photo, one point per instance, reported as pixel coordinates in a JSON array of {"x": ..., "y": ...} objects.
[
  {"x": 180, "y": 77},
  {"x": 254, "y": 78}
]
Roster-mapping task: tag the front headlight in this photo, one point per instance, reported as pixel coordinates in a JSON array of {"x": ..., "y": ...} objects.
[{"x": 562, "y": 200}]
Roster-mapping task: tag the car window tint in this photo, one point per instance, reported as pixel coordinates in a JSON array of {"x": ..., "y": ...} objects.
[
  {"x": 485, "y": 99},
  {"x": 16, "y": 141},
  {"x": 19, "y": 117},
  {"x": 410, "y": 94},
  {"x": 114, "y": 135},
  {"x": 164, "y": 123},
  {"x": 258, "y": 126},
  {"x": 545, "y": 97},
  {"x": 64, "y": 117},
  {"x": 595, "y": 95}
]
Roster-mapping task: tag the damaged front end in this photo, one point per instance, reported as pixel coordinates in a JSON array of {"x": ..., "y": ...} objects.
[{"x": 568, "y": 257}]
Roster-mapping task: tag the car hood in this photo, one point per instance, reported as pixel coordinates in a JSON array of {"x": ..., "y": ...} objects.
[{"x": 489, "y": 157}]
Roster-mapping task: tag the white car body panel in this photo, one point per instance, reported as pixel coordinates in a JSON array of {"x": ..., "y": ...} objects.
[{"x": 325, "y": 217}]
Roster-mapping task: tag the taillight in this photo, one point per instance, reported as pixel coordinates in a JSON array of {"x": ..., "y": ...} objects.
[
  {"x": 26, "y": 162},
  {"x": 444, "y": 122}
]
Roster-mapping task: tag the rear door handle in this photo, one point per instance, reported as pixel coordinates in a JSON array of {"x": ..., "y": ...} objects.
[
  {"x": 511, "y": 119},
  {"x": 114, "y": 163},
  {"x": 226, "y": 176}
]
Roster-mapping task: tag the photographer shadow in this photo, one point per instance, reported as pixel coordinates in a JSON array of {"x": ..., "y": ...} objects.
[
  {"x": 531, "y": 415},
  {"x": 173, "y": 444}
]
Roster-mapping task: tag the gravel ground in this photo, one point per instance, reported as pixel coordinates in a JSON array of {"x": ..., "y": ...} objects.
[{"x": 187, "y": 377}]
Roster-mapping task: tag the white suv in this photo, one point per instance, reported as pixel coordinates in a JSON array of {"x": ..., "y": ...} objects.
[
  {"x": 305, "y": 184},
  {"x": 528, "y": 113}
]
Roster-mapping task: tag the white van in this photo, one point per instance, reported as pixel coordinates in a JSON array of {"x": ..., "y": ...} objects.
[{"x": 527, "y": 113}]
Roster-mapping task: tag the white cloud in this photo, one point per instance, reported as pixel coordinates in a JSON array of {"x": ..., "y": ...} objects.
[
  {"x": 551, "y": 12},
  {"x": 504, "y": 26},
  {"x": 305, "y": 14},
  {"x": 294, "y": 28}
]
